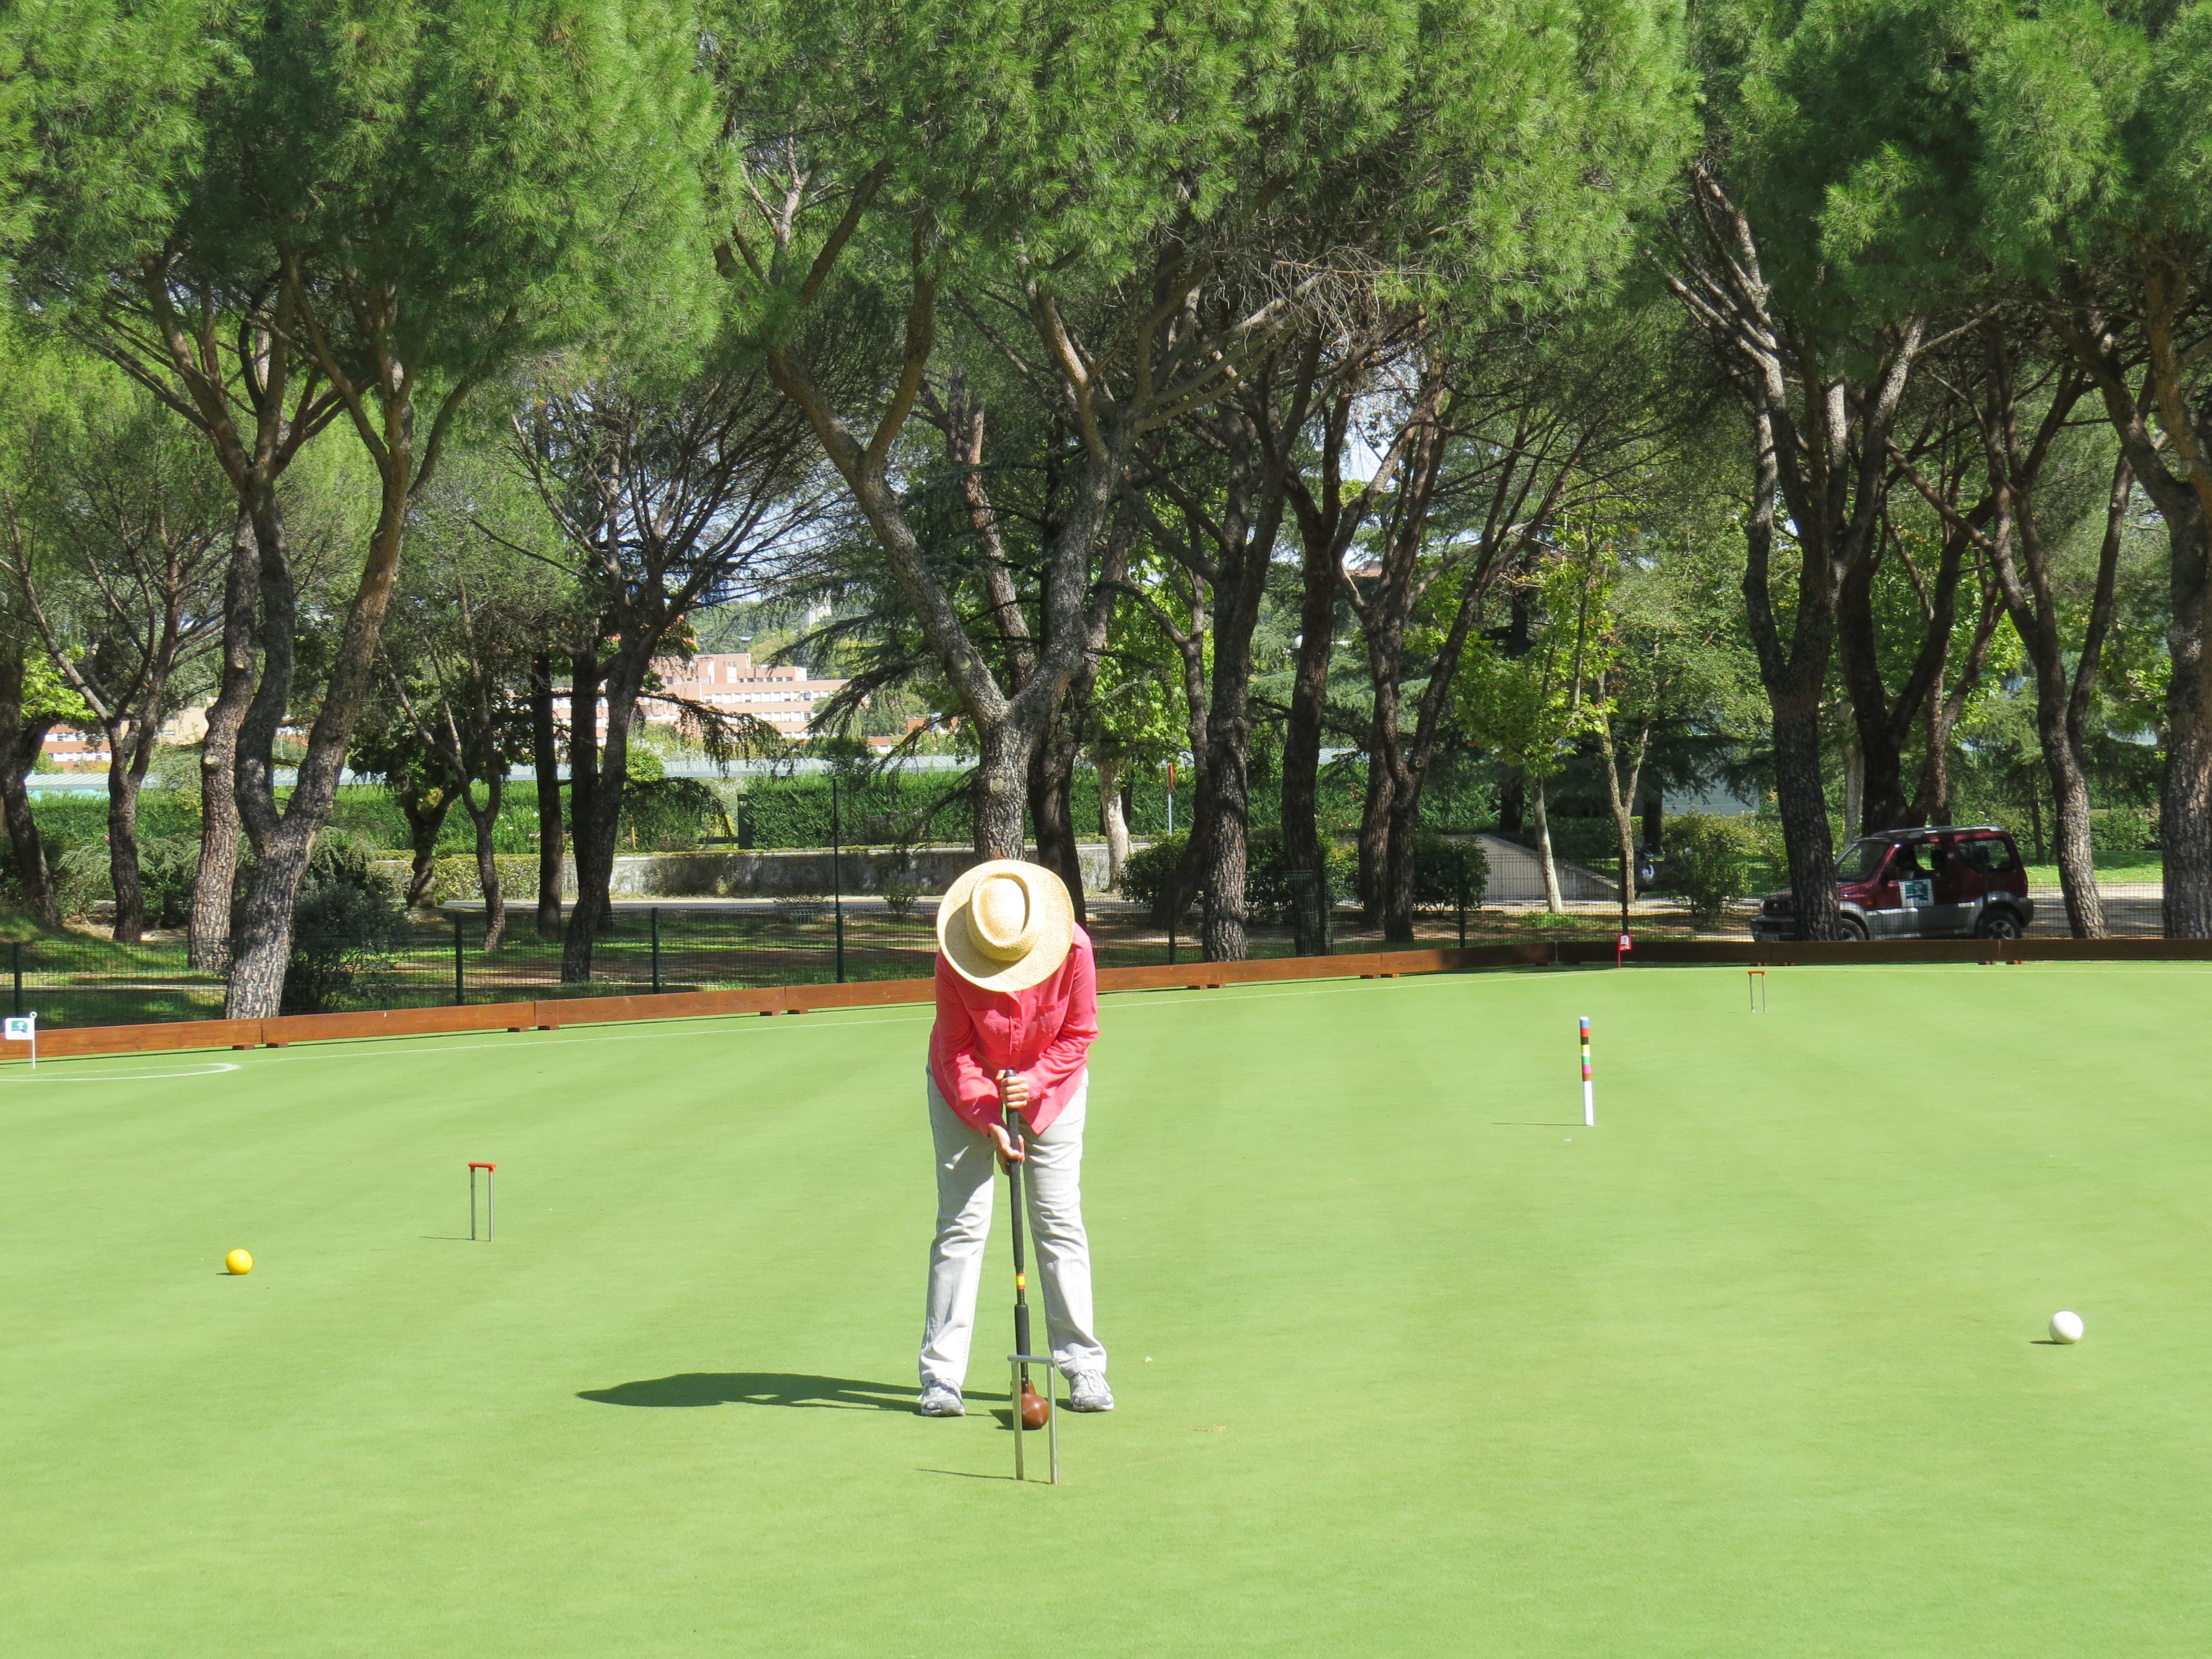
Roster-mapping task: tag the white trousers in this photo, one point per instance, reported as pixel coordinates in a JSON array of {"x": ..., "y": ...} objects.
[{"x": 967, "y": 1176}]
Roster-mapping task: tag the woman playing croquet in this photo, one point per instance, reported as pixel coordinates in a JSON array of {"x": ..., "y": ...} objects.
[{"x": 1017, "y": 995}]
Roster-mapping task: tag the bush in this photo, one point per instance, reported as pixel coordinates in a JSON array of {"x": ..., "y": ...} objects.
[
  {"x": 1443, "y": 870},
  {"x": 345, "y": 929},
  {"x": 667, "y": 815},
  {"x": 1269, "y": 893},
  {"x": 452, "y": 878},
  {"x": 900, "y": 889},
  {"x": 1270, "y": 896},
  {"x": 76, "y": 874},
  {"x": 2121, "y": 829},
  {"x": 167, "y": 867},
  {"x": 1708, "y": 862},
  {"x": 1148, "y": 876}
]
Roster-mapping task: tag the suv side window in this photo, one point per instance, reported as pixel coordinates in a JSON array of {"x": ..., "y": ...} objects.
[{"x": 1992, "y": 855}]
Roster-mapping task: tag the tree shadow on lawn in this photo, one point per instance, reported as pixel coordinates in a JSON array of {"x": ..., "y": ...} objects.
[{"x": 755, "y": 1388}]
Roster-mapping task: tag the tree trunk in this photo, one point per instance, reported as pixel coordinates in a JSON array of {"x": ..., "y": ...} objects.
[
  {"x": 1111, "y": 820},
  {"x": 215, "y": 884},
  {"x": 1302, "y": 732},
  {"x": 1375, "y": 810},
  {"x": 2171, "y": 463},
  {"x": 2185, "y": 795},
  {"x": 1802, "y": 799},
  {"x": 545, "y": 753},
  {"x": 1227, "y": 808},
  {"x": 1620, "y": 796},
  {"x": 598, "y": 813},
  {"x": 1932, "y": 797},
  {"x": 1051, "y": 783},
  {"x": 1551, "y": 900},
  {"x": 1792, "y": 680},
  {"x": 2020, "y": 563},
  {"x": 2077, "y": 868},
  {"x": 263, "y": 948},
  {"x": 1226, "y": 813},
  {"x": 584, "y": 674},
  {"x": 126, "y": 770},
  {"x": 1400, "y": 859},
  {"x": 424, "y": 808},
  {"x": 1821, "y": 446},
  {"x": 23, "y": 741},
  {"x": 29, "y": 851},
  {"x": 2185, "y": 798},
  {"x": 284, "y": 841},
  {"x": 1001, "y": 788},
  {"x": 1873, "y": 758},
  {"x": 484, "y": 822}
]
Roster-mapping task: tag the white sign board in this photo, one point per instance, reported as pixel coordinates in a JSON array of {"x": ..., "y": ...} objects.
[{"x": 23, "y": 1028}]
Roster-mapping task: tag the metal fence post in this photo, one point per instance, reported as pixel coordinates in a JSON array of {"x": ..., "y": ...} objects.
[
  {"x": 1462, "y": 913},
  {"x": 460, "y": 979},
  {"x": 837, "y": 875},
  {"x": 16, "y": 954},
  {"x": 1174, "y": 910},
  {"x": 655, "y": 914}
]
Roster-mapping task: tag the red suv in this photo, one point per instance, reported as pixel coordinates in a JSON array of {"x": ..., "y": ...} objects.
[{"x": 1944, "y": 882}]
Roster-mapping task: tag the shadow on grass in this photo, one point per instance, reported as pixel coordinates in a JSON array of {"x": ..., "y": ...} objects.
[{"x": 755, "y": 1388}]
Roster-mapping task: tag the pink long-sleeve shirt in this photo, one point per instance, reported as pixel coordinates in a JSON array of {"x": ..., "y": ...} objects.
[{"x": 1044, "y": 1033}]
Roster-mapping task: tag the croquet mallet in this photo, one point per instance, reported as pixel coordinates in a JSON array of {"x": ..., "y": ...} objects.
[{"x": 1034, "y": 1410}]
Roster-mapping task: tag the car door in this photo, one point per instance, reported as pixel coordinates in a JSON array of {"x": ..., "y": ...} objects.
[
  {"x": 1886, "y": 914},
  {"x": 1956, "y": 895},
  {"x": 1916, "y": 891}
]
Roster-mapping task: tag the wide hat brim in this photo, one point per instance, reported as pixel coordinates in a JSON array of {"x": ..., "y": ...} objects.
[{"x": 1052, "y": 929}]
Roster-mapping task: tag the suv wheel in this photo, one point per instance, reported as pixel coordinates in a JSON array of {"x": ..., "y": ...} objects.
[
  {"x": 1998, "y": 924},
  {"x": 1851, "y": 927}
]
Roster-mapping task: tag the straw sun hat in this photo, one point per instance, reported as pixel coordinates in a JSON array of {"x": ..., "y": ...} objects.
[{"x": 1005, "y": 925}]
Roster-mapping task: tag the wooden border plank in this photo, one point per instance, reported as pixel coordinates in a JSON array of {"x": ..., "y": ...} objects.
[
  {"x": 552, "y": 1013},
  {"x": 165, "y": 1036}
]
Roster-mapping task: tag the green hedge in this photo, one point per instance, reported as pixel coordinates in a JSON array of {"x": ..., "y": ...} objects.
[
  {"x": 791, "y": 812},
  {"x": 781, "y": 813}
]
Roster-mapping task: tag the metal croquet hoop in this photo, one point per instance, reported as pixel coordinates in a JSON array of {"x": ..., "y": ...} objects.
[
  {"x": 491, "y": 1218},
  {"x": 1755, "y": 982},
  {"x": 1014, "y": 1364}
]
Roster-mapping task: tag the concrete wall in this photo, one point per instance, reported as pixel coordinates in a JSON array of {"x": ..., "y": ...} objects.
[{"x": 804, "y": 873}]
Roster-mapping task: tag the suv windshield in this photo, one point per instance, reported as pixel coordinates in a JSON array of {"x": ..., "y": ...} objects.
[{"x": 1860, "y": 859}]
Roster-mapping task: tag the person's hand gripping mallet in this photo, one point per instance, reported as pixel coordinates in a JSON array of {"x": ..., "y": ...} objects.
[{"x": 1013, "y": 1095}]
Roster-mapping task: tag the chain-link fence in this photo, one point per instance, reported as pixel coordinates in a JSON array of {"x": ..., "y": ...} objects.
[
  {"x": 424, "y": 961},
  {"x": 439, "y": 958}
]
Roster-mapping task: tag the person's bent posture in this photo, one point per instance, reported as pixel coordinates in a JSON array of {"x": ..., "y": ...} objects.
[{"x": 1017, "y": 992}]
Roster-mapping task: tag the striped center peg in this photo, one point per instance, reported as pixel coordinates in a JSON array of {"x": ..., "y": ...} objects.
[{"x": 1590, "y": 1093}]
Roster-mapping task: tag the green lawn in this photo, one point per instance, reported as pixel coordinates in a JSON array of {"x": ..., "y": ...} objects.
[
  {"x": 1409, "y": 1361},
  {"x": 2114, "y": 869}
]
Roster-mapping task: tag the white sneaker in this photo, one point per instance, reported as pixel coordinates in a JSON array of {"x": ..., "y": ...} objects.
[
  {"x": 1087, "y": 1392},
  {"x": 938, "y": 1401}
]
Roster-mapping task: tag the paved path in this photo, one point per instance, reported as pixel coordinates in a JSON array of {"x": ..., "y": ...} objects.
[{"x": 1517, "y": 876}]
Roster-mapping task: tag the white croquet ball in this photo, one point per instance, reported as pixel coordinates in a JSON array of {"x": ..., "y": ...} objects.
[{"x": 2066, "y": 1327}]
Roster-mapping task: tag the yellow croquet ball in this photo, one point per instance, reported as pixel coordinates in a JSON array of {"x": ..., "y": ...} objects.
[{"x": 239, "y": 1262}]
